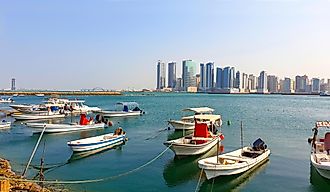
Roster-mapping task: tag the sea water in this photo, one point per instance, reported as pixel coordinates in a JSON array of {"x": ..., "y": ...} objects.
[{"x": 283, "y": 122}]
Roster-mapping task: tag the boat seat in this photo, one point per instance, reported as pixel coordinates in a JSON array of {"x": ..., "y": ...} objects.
[{"x": 327, "y": 142}]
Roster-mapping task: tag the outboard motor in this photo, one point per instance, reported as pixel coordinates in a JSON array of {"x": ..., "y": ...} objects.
[{"x": 259, "y": 145}]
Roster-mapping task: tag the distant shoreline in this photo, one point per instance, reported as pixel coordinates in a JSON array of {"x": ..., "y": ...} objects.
[{"x": 49, "y": 93}]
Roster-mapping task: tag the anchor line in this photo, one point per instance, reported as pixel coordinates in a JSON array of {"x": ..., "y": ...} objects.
[{"x": 90, "y": 180}]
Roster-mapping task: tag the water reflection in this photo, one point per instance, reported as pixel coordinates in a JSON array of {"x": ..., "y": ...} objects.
[
  {"x": 80, "y": 155},
  {"x": 181, "y": 170},
  {"x": 318, "y": 183},
  {"x": 234, "y": 182}
]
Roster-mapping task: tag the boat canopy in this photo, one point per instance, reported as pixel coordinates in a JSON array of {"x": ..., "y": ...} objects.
[
  {"x": 204, "y": 118},
  {"x": 128, "y": 103},
  {"x": 322, "y": 124},
  {"x": 200, "y": 110}
]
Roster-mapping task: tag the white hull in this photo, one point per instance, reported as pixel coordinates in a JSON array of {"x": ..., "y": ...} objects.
[
  {"x": 93, "y": 143},
  {"x": 33, "y": 117},
  {"x": 322, "y": 167},
  {"x": 59, "y": 128},
  {"x": 5, "y": 125},
  {"x": 120, "y": 113},
  {"x": 235, "y": 163},
  {"x": 182, "y": 125},
  {"x": 183, "y": 146}
]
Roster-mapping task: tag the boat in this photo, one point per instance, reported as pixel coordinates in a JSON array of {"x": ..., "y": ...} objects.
[
  {"x": 47, "y": 115},
  {"x": 201, "y": 141},
  {"x": 325, "y": 93},
  {"x": 187, "y": 122},
  {"x": 97, "y": 142},
  {"x": 126, "y": 109},
  {"x": 235, "y": 162},
  {"x": 40, "y": 95},
  {"x": 28, "y": 108},
  {"x": 5, "y": 124},
  {"x": 6, "y": 100},
  {"x": 320, "y": 152},
  {"x": 83, "y": 125}
]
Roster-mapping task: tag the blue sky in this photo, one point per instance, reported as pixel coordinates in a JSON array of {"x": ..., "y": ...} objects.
[{"x": 115, "y": 44}]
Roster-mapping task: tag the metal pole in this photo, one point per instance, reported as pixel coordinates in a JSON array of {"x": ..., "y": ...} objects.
[
  {"x": 241, "y": 134},
  {"x": 34, "y": 151}
]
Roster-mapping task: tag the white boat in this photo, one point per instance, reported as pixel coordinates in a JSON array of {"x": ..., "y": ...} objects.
[
  {"x": 187, "y": 122},
  {"x": 6, "y": 100},
  {"x": 28, "y": 108},
  {"x": 59, "y": 128},
  {"x": 320, "y": 155},
  {"x": 235, "y": 162},
  {"x": 37, "y": 116},
  {"x": 102, "y": 141},
  {"x": 325, "y": 93},
  {"x": 200, "y": 142},
  {"x": 40, "y": 95},
  {"x": 5, "y": 124},
  {"x": 126, "y": 109}
]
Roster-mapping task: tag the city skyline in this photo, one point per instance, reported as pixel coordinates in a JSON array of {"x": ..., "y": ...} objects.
[{"x": 115, "y": 45}]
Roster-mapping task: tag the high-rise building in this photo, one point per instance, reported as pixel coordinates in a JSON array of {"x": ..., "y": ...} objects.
[
  {"x": 287, "y": 86},
  {"x": 315, "y": 85},
  {"x": 262, "y": 82},
  {"x": 209, "y": 75},
  {"x": 171, "y": 75},
  {"x": 161, "y": 75},
  {"x": 301, "y": 84},
  {"x": 188, "y": 74},
  {"x": 238, "y": 80},
  {"x": 245, "y": 82},
  {"x": 219, "y": 79},
  {"x": 13, "y": 84},
  {"x": 228, "y": 77},
  {"x": 272, "y": 83},
  {"x": 252, "y": 83},
  {"x": 328, "y": 85},
  {"x": 202, "y": 83}
]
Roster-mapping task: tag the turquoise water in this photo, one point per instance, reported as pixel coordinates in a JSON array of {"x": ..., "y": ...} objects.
[{"x": 284, "y": 122}]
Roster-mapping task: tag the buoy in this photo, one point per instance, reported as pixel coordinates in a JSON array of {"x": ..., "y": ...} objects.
[
  {"x": 110, "y": 123},
  {"x": 228, "y": 122}
]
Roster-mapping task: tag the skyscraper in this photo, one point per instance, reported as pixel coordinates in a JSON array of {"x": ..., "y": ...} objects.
[
  {"x": 228, "y": 77},
  {"x": 252, "y": 83},
  {"x": 219, "y": 78},
  {"x": 245, "y": 82},
  {"x": 209, "y": 75},
  {"x": 301, "y": 84},
  {"x": 188, "y": 74},
  {"x": 238, "y": 80},
  {"x": 287, "y": 85},
  {"x": 161, "y": 74},
  {"x": 13, "y": 84},
  {"x": 272, "y": 83},
  {"x": 171, "y": 75},
  {"x": 315, "y": 85},
  {"x": 262, "y": 82},
  {"x": 202, "y": 77}
]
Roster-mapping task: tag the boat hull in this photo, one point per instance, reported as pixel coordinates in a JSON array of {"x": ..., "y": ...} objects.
[
  {"x": 213, "y": 169},
  {"x": 322, "y": 168},
  {"x": 98, "y": 143},
  {"x": 33, "y": 117},
  {"x": 181, "y": 148},
  {"x": 120, "y": 114},
  {"x": 59, "y": 128}
]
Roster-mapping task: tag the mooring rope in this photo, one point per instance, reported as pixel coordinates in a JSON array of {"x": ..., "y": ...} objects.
[
  {"x": 159, "y": 132},
  {"x": 90, "y": 180},
  {"x": 199, "y": 180}
]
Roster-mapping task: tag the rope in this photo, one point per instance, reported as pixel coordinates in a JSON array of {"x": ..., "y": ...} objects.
[
  {"x": 159, "y": 132},
  {"x": 199, "y": 180},
  {"x": 90, "y": 180},
  {"x": 212, "y": 185}
]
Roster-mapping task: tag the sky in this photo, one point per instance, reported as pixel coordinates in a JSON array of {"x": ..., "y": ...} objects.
[{"x": 115, "y": 44}]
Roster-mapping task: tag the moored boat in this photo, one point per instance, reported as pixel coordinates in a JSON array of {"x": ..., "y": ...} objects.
[
  {"x": 198, "y": 143},
  {"x": 126, "y": 109},
  {"x": 320, "y": 152},
  {"x": 235, "y": 162},
  {"x": 6, "y": 100},
  {"x": 187, "y": 122},
  {"x": 5, "y": 124},
  {"x": 105, "y": 141}
]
